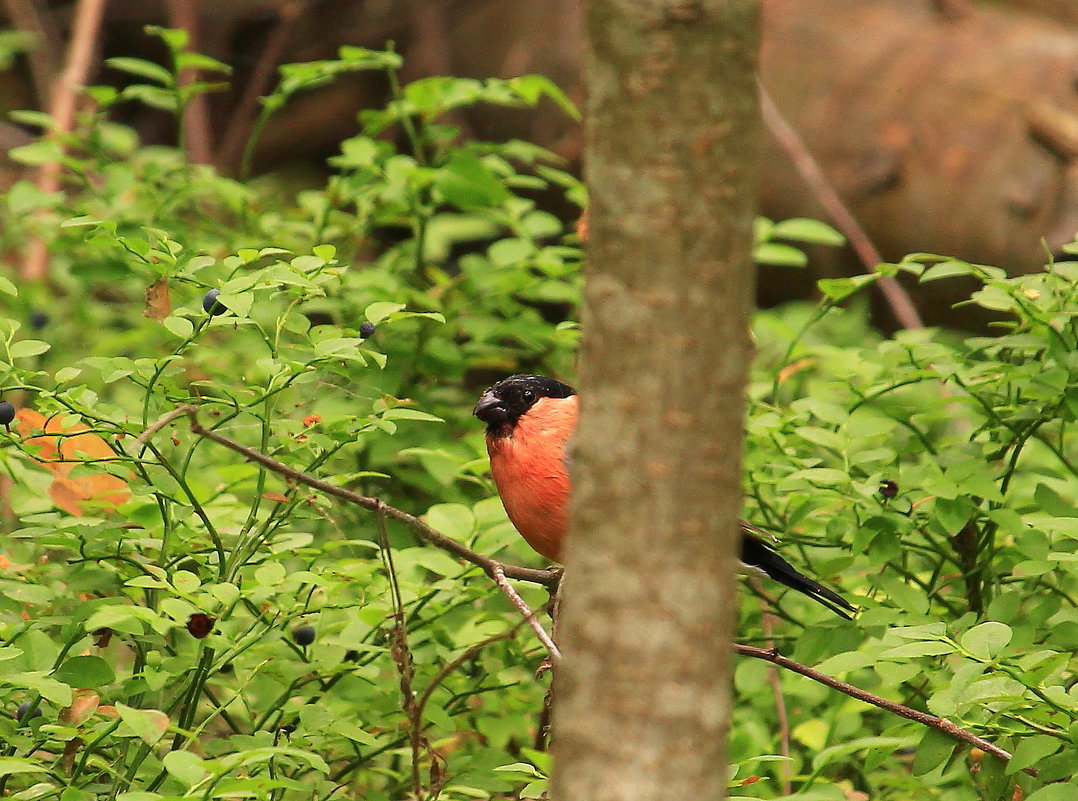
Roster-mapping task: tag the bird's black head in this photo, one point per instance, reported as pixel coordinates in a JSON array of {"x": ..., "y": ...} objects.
[{"x": 503, "y": 404}]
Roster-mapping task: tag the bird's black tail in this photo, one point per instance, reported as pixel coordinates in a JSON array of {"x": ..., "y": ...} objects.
[{"x": 758, "y": 555}]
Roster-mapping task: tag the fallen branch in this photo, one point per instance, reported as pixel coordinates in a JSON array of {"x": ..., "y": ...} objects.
[
  {"x": 809, "y": 169},
  {"x": 489, "y": 566},
  {"x": 952, "y": 730}
]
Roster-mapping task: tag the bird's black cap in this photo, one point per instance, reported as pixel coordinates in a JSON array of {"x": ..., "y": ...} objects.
[{"x": 503, "y": 404}]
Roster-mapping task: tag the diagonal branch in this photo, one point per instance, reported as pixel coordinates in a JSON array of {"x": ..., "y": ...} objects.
[
  {"x": 490, "y": 566},
  {"x": 940, "y": 724},
  {"x": 809, "y": 169}
]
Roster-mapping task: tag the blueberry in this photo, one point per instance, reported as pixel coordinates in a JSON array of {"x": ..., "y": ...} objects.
[
  {"x": 351, "y": 655},
  {"x": 226, "y": 668},
  {"x": 38, "y": 319},
  {"x": 7, "y": 413},
  {"x": 367, "y": 329},
  {"x": 288, "y": 728},
  {"x": 303, "y": 635},
  {"x": 888, "y": 488},
  {"x": 23, "y": 709},
  {"x": 211, "y": 304}
]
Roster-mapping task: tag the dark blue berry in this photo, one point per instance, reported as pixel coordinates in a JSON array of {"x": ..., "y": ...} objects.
[
  {"x": 367, "y": 329},
  {"x": 7, "y": 413},
  {"x": 226, "y": 668},
  {"x": 211, "y": 304},
  {"x": 303, "y": 635},
  {"x": 38, "y": 319},
  {"x": 288, "y": 728},
  {"x": 888, "y": 488},
  {"x": 351, "y": 655},
  {"x": 24, "y": 708}
]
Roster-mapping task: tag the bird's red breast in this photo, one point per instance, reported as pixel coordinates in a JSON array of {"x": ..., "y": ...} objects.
[{"x": 531, "y": 470}]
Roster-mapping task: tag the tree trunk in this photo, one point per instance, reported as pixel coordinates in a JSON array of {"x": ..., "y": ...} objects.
[{"x": 642, "y": 696}]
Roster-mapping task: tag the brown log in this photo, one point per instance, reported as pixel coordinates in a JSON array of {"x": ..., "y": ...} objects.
[
  {"x": 953, "y": 136},
  {"x": 1064, "y": 11}
]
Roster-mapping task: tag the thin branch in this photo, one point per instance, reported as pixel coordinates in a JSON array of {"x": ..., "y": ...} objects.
[
  {"x": 243, "y": 116},
  {"x": 88, "y": 16},
  {"x": 809, "y": 169},
  {"x": 468, "y": 653},
  {"x": 158, "y": 424},
  {"x": 529, "y": 615},
  {"x": 434, "y": 537},
  {"x": 768, "y": 619},
  {"x": 940, "y": 724}
]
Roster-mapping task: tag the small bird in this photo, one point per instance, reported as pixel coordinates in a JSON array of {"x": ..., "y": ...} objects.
[{"x": 530, "y": 418}]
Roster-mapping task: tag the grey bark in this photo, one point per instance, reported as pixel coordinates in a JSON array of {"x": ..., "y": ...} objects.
[{"x": 642, "y": 696}]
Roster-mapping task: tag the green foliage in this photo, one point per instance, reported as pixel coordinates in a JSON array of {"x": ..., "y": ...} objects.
[{"x": 155, "y": 627}]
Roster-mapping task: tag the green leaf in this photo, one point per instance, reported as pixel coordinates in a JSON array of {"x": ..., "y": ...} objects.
[
  {"x": 467, "y": 183},
  {"x": 149, "y": 725},
  {"x": 141, "y": 69},
  {"x": 946, "y": 269},
  {"x": 779, "y": 255},
  {"x": 379, "y": 310},
  {"x": 85, "y": 672},
  {"x": 49, "y": 688},
  {"x": 986, "y": 640},
  {"x": 404, "y": 413},
  {"x": 1055, "y": 792},
  {"x": 802, "y": 229},
  {"x": 180, "y": 326},
  {"x": 1031, "y": 750},
  {"x": 838, "y": 289},
  {"x": 25, "y": 348},
  {"x": 7, "y": 287},
  {"x": 827, "y": 755},
  {"x": 934, "y": 749},
  {"x": 186, "y": 767},
  {"x": 9, "y": 766}
]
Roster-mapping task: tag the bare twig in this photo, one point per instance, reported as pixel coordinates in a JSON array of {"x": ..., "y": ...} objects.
[
  {"x": 547, "y": 578},
  {"x": 239, "y": 129},
  {"x": 28, "y": 17},
  {"x": 790, "y": 141},
  {"x": 465, "y": 655},
  {"x": 158, "y": 424},
  {"x": 88, "y": 16},
  {"x": 522, "y": 606},
  {"x": 768, "y": 620},
  {"x": 940, "y": 724},
  {"x": 197, "y": 134},
  {"x": 402, "y": 656}
]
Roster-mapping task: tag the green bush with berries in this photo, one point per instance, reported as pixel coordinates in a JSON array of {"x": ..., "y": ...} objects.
[{"x": 177, "y": 620}]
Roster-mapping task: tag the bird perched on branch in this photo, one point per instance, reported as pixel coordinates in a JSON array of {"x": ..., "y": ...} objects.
[{"x": 529, "y": 420}]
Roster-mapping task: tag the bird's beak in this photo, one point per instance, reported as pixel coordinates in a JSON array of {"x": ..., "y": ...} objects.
[{"x": 490, "y": 409}]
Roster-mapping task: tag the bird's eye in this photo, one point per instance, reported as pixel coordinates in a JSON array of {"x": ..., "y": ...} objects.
[{"x": 527, "y": 396}]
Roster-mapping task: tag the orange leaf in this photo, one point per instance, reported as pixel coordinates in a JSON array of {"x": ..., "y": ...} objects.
[
  {"x": 60, "y": 455},
  {"x": 276, "y": 497}
]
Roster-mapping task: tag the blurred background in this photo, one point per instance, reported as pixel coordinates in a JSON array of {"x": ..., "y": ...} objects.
[{"x": 946, "y": 126}]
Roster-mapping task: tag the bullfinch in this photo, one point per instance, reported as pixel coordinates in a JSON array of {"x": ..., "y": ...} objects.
[{"x": 530, "y": 418}]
